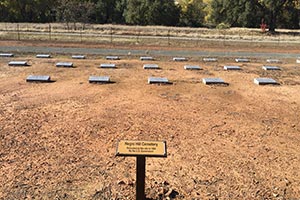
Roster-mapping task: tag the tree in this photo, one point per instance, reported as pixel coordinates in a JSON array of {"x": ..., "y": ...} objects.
[{"x": 192, "y": 13}]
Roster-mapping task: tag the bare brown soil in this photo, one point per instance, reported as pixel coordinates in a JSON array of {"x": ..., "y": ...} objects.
[{"x": 58, "y": 140}]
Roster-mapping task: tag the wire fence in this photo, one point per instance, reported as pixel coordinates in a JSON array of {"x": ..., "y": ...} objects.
[{"x": 138, "y": 35}]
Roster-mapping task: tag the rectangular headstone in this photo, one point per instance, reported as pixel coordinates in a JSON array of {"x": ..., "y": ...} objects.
[
  {"x": 179, "y": 59},
  {"x": 271, "y": 68},
  {"x": 210, "y": 59},
  {"x": 265, "y": 81},
  {"x": 192, "y": 67},
  {"x": 18, "y": 63},
  {"x": 150, "y": 66},
  {"x": 242, "y": 60},
  {"x": 34, "y": 78},
  {"x": 157, "y": 80},
  {"x": 6, "y": 55},
  {"x": 232, "y": 68},
  {"x": 43, "y": 56},
  {"x": 273, "y": 61},
  {"x": 99, "y": 79},
  {"x": 64, "y": 64},
  {"x": 108, "y": 66},
  {"x": 208, "y": 81},
  {"x": 146, "y": 58},
  {"x": 78, "y": 57},
  {"x": 112, "y": 58}
]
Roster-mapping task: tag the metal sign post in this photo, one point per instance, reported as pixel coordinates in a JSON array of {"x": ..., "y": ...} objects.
[{"x": 141, "y": 150}]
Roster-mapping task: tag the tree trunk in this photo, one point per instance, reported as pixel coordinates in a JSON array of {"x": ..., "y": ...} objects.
[{"x": 272, "y": 21}]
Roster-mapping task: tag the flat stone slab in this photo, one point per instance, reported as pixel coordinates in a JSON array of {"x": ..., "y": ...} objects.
[
  {"x": 242, "y": 60},
  {"x": 179, "y": 59},
  {"x": 99, "y": 79},
  {"x": 157, "y": 80},
  {"x": 192, "y": 67},
  {"x": 271, "y": 68},
  {"x": 232, "y": 68},
  {"x": 113, "y": 66},
  {"x": 273, "y": 61},
  {"x": 146, "y": 58},
  {"x": 210, "y": 59},
  {"x": 18, "y": 63},
  {"x": 151, "y": 66},
  {"x": 6, "y": 55},
  {"x": 265, "y": 81},
  {"x": 208, "y": 81},
  {"x": 78, "y": 57},
  {"x": 43, "y": 56},
  {"x": 112, "y": 58},
  {"x": 38, "y": 78},
  {"x": 64, "y": 64}
]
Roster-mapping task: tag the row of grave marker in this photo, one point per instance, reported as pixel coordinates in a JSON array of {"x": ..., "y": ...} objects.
[
  {"x": 151, "y": 80},
  {"x": 146, "y": 66},
  {"x": 149, "y": 58}
]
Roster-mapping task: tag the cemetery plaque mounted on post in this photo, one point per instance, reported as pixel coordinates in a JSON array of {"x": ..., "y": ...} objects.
[{"x": 141, "y": 150}]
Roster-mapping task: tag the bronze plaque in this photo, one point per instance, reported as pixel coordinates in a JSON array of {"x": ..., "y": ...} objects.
[{"x": 142, "y": 148}]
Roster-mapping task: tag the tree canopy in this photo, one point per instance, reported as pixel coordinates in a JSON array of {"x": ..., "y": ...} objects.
[{"x": 192, "y": 13}]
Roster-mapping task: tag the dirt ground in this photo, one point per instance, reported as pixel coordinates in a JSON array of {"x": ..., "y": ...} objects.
[{"x": 58, "y": 140}]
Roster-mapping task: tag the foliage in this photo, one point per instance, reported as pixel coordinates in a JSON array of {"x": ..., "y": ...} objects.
[{"x": 193, "y": 13}]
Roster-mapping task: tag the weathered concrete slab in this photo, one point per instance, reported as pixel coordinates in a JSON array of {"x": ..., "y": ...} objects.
[
  {"x": 242, "y": 60},
  {"x": 64, "y": 64},
  {"x": 273, "y": 61},
  {"x": 265, "y": 81},
  {"x": 157, "y": 80},
  {"x": 78, "y": 57},
  {"x": 6, "y": 55},
  {"x": 112, "y": 58},
  {"x": 271, "y": 68},
  {"x": 209, "y": 81},
  {"x": 151, "y": 66},
  {"x": 232, "y": 67},
  {"x": 146, "y": 58},
  {"x": 38, "y": 78},
  {"x": 43, "y": 56},
  {"x": 192, "y": 67},
  {"x": 106, "y": 65},
  {"x": 18, "y": 63},
  {"x": 99, "y": 79},
  {"x": 179, "y": 59},
  {"x": 210, "y": 59}
]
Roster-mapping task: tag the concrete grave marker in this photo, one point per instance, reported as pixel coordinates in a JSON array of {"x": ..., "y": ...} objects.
[
  {"x": 64, "y": 64},
  {"x": 179, "y": 59},
  {"x": 242, "y": 60},
  {"x": 112, "y": 58},
  {"x": 298, "y": 61},
  {"x": 265, "y": 81},
  {"x": 6, "y": 55},
  {"x": 18, "y": 63},
  {"x": 209, "y": 81},
  {"x": 192, "y": 67},
  {"x": 78, "y": 57},
  {"x": 112, "y": 66},
  {"x": 146, "y": 58},
  {"x": 157, "y": 80},
  {"x": 151, "y": 66},
  {"x": 99, "y": 79},
  {"x": 38, "y": 78},
  {"x": 273, "y": 61},
  {"x": 270, "y": 68},
  {"x": 210, "y": 59},
  {"x": 232, "y": 68},
  {"x": 141, "y": 150},
  {"x": 43, "y": 56}
]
